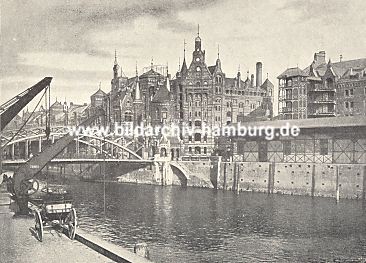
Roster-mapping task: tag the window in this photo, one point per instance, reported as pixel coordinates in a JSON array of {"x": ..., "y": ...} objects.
[
  {"x": 128, "y": 116},
  {"x": 286, "y": 147},
  {"x": 197, "y": 137},
  {"x": 351, "y": 92},
  {"x": 346, "y": 92},
  {"x": 346, "y": 104},
  {"x": 351, "y": 105},
  {"x": 197, "y": 124},
  {"x": 205, "y": 150},
  {"x": 197, "y": 150},
  {"x": 198, "y": 69},
  {"x": 323, "y": 146}
]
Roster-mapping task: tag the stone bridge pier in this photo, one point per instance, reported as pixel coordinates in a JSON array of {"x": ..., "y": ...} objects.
[{"x": 186, "y": 173}]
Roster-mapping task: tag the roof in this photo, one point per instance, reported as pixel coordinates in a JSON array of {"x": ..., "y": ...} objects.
[
  {"x": 327, "y": 122},
  {"x": 355, "y": 73},
  {"x": 151, "y": 73},
  {"x": 212, "y": 69},
  {"x": 292, "y": 72},
  {"x": 230, "y": 82},
  {"x": 162, "y": 95},
  {"x": 267, "y": 84},
  {"x": 99, "y": 92},
  {"x": 339, "y": 68}
]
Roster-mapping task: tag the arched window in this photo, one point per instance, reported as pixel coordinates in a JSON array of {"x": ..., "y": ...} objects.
[
  {"x": 197, "y": 150},
  {"x": 163, "y": 152},
  {"x": 197, "y": 137},
  {"x": 198, "y": 69},
  {"x": 228, "y": 114}
]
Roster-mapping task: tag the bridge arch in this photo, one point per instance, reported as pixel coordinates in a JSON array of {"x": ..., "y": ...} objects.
[
  {"x": 41, "y": 135},
  {"x": 181, "y": 172}
]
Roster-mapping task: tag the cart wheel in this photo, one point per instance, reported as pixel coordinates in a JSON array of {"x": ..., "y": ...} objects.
[
  {"x": 72, "y": 222},
  {"x": 39, "y": 225}
]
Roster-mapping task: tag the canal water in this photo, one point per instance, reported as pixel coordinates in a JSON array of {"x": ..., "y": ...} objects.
[{"x": 204, "y": 225}]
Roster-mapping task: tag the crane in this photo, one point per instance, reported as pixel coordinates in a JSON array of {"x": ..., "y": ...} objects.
[
  {"x": 13, "y": 106},
  {"x": 33, "y": 166}
]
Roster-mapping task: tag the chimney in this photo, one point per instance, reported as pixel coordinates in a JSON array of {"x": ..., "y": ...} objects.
[
  {"x": 340, "y": 57},
  {"x": 252, "y": 80},
  {"x": 259, "y": 74},
  {"x": 319, "y": 58}
]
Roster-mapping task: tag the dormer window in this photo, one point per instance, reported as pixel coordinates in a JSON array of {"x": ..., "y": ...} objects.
[{"x": 198, "y": 69}]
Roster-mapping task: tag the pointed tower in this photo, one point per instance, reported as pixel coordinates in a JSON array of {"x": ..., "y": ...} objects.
[
  {"x": 238, "y": 76},
  {"x": 115, "y": 66},
  {"x": 218, "y": 61},
  {"x": 184, "y": 69},
  {"x": 167, "y": 79},
  {"x": 138, "y": 106}
]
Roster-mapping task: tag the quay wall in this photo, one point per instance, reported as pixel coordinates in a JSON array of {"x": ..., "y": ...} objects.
[
  {"x": 324, "y": 180},
  {"x": 309, "y": 179}
]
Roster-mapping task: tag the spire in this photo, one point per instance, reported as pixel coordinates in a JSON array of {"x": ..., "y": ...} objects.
[
  {"x": 137, "y": 92},
  {"x": 184, "y": 49},
  {"x": 167, "y": 79},
  {"x": 116, "y": 66},
  {"x": 184, "y": 65},
  {"x": 152, "y": 62},
  {"x": 115, "y": 57},
  {"x": 267, "y": 75},
  {"x": 100, "y": 85},
  {"x": 197, "y": 45},
  {"x": 137, "y": 87},
  {"x": 218, "y": 62},
  {"x": 239, "y": 77}
]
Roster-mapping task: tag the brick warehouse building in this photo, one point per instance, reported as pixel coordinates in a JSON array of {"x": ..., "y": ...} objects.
[
  {"x": 323, "y": 89},
  {"x": 198, "y": 94}
]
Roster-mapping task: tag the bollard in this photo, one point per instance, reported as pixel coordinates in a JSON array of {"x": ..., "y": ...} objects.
[{"x": 142, "y": 250}]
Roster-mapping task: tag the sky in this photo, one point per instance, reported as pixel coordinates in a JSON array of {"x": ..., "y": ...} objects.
[{"x": 74, "y": 40}]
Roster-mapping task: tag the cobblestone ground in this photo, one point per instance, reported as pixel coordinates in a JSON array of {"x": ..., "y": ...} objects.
[{"x": 19, "y": 244}]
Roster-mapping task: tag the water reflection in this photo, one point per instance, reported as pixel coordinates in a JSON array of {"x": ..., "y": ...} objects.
[{"x": 203, "y": 225}]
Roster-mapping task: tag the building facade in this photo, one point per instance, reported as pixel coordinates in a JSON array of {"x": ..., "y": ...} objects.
[
  {"x": 323, "y": 89},
  {"x": 198, "y": 95}
]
